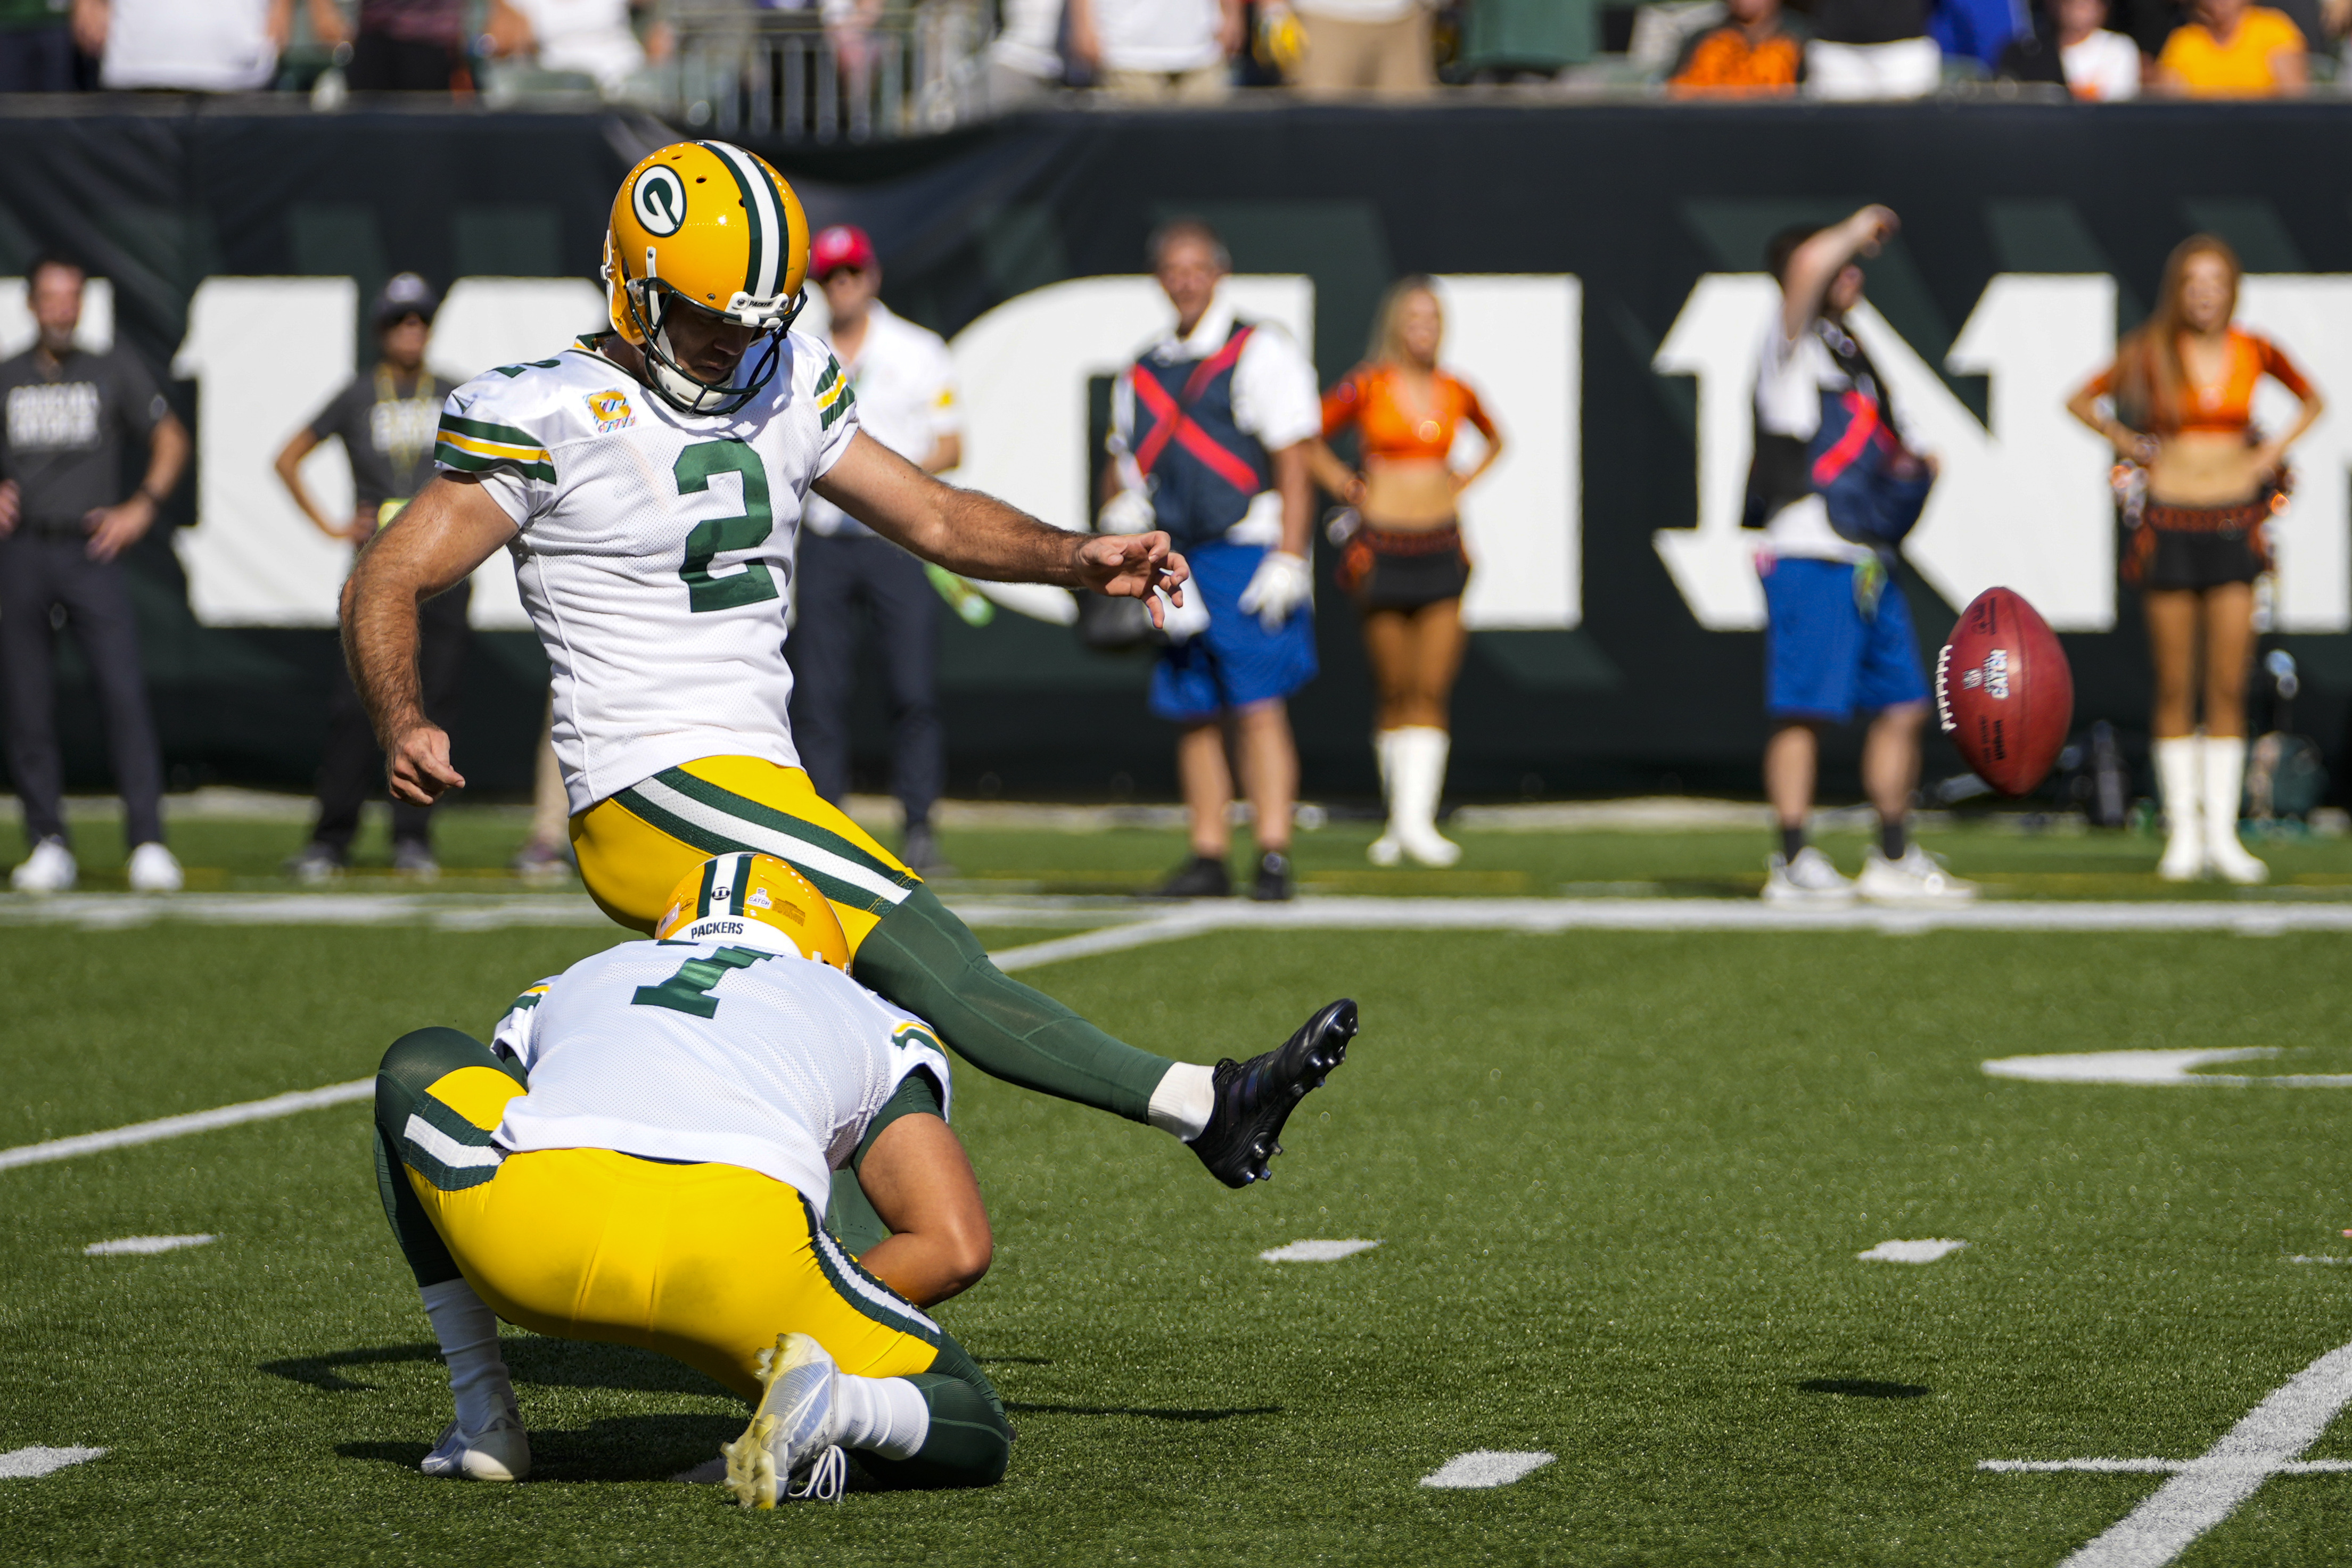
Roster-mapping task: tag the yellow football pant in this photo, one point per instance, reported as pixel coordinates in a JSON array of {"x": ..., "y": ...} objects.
[
  {"x": 636, "y": 846},
  {"x": 706, "y": 1263}
]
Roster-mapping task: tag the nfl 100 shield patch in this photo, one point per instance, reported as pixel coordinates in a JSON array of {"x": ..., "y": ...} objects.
[{"x": 611, "y": 411}]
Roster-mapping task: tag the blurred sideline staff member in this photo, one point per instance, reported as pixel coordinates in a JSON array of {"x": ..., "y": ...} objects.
[
  {"x": 196, "y": 46},
  {"x": 67, "y": 412},
  {"x": 2234, "y": 49},
  {"x": 904, "y": 386},
  {"x": 1156, "y": 49},
  {"x": 1872, "y": 49},
  {"x": 1838, "y": 634},
  {"x": 2199, "y": 484},
  {"x": 1211, "y": 428},
  {"x": 1366, "y": 46},
  {"x": 1755, "y": 52},
  {"x": 2071, "y": 48},
  {"x": 385, "y": 419},
  {"x": 1404, "y": 565},
  {"x": 407, "y": 46}
]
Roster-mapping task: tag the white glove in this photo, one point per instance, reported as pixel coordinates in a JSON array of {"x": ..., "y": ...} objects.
[
  {"x": 1280, "y": 585},
  {"x": 1126, "y": 512},
  {"x": 1184, "y": 622}
]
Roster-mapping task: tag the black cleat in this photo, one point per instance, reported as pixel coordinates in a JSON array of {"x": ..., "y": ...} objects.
[
  {"x": 1199, "y": 877},
  {"x": 1255, "y": 1097},
  {"x": 1274, "y": 884}
]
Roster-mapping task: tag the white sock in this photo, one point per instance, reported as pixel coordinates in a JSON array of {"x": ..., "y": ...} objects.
[
  {"x": 1384, "y": 754},
  {"x": 1185, "y": 1100},
  {"x": 883, "y": 1415},
  {"x": 468, "y": 1332},
  {"x": 1416, "y": 778}
]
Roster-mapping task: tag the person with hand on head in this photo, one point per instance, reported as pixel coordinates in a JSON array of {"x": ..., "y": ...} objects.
[
  {"x": 2199, "y": 483},
  {"x": 68, "y": 410},
  {"x": 386, "y": 420},
  {"x": 1211, "y": 431},
  {"x": 1834, "y": 486},
  {"x": 1404, "y": 564},
  {"x": 904, "y": 386}
]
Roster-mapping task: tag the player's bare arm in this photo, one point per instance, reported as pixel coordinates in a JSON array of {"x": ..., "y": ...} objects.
[
  {"x": 921, "y": 1183},
  {"x": 1815, "y": 266},
  {"x": 442, "y": 536},
  {"x": 979, "y": 537}
]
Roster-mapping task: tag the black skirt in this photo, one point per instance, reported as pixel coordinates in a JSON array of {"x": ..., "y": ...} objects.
[
  {"x": 1404, "y": 570},
  {"x": 2197, "y": 548}
]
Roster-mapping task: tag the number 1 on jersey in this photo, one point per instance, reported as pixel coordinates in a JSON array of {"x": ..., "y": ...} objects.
[
  {"x": 688, "y": 990},
  {"x": 747, "y": 530}
]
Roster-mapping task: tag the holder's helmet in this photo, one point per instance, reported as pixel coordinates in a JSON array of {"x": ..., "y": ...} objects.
[
  {"x": 755, "y": 901},
  {"x": 705, "y": 225}
]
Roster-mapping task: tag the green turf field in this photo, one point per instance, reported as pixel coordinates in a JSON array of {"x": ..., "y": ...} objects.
[{"x": 1619, "y": 1181}]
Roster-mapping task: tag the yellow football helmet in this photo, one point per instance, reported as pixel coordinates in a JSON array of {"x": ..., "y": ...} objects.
[
  {"x": 706, "y": 226},
  {"x": 748, "y": 900}
]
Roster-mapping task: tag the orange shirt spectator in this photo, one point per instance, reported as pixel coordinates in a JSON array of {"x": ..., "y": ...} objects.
[
  {"x": 1755, "y": 53},
  {"x": 2234, "y": 49}
]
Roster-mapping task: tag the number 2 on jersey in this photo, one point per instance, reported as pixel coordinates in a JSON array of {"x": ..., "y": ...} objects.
[
  {"x": 747, "y": 530},
  {"x": 688, "y": 990}
]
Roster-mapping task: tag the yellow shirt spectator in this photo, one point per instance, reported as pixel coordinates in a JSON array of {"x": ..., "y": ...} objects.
[{"x": 2212, "y": 58}]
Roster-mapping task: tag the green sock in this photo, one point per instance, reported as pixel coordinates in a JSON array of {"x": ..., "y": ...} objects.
[
  {"x": 969, "y": 1441},
  {"x": 928, "y": 962},
  {"x": 414, "y": 1063}
]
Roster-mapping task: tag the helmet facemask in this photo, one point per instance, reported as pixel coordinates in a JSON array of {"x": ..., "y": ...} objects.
[{"x": 649, "y": 302}]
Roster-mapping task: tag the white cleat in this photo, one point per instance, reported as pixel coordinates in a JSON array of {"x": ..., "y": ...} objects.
[
  {"x": 1918, "y": 878},
  {"x": 2184, "y": 853},
  {"x": 1385, "y": 850},
  {"x": 154, "y": 869},
  {"x": 2231, "y": 861},
  {"x": 49, "y": 869},
  {"x": 787, "y": 1454},
  {"x": 499, "y": 1452},
  {"x": 1807, "y": 879},
  {"x": 1428, "y": 847}
]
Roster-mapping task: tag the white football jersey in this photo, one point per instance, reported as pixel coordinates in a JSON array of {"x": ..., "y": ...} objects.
[
  {"x": 706, "y": 1052},
  {"x": 654, "y": 550}
]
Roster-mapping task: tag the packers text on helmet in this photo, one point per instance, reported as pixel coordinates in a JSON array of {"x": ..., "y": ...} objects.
[{"x": 748, "y": 899}]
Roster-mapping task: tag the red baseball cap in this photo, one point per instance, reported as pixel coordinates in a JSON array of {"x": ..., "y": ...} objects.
[{"x": 839, "y": 246}]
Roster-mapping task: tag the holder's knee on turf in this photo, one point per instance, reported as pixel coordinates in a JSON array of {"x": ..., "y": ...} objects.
[{"x": 416, "y": 1061}]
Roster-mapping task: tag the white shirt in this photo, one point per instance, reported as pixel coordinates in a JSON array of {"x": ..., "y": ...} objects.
[
  {"x": 1158, "y": 34},
  {"x": 590, "y": 37},
  {"x": 201, "y": 45},
  {"x": 2104, "y": 67},
  {"x": 1025, "y": 43},
  {"x": 781, "y": 1078},
  {"x": 1276, "y": 399},
  {"x": 905, "y": 382},
  {"x": 1790, "y": 376},
  {"x": 654, "y": 550},
  {"x": 1359, "y": 11}
]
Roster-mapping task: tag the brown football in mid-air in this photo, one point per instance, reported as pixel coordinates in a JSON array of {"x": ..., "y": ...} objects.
[{"x": 2004, "y": 692}]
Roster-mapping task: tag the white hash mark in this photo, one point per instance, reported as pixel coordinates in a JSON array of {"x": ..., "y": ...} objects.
[
  {"x": 1317, "y": 1251},
  {"x": 144, "y": 1244},
  {"x": 25, "y": 1464},
  {"x": 2205, "y": 1490},
  {"x": 1484, "y": 1467},
  {"x": 1910, "y": 1251}
]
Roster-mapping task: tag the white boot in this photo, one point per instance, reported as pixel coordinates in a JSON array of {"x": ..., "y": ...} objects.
[
  {"x": 2180, "y": 777},
  {"x": 1416, "y": 779},
  {"x": 2225, "y": 777},
  {"x": 1388, "y": 849}
]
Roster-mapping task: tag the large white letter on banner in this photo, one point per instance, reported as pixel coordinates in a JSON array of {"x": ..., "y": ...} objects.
[
  {"x": 2024, "y": 504},
  {"x": 1518, "y": 341},
  {"x": 1023, "y": 368},
  {"x": 266, "y": 353},
  {"x": 2310, "y": 320}
]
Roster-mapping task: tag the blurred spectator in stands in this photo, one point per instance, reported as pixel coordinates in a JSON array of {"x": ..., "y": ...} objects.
[
  {"x": 1871, "y": 49},
  {"x": 1024, "y": 61},
  {"x": 386, "y": 418},
  {"x": 1977, "y": 30},
  {"x": 61, "y": 538},
  {"x": 1174, "y": 50},
  {"x": 217, "y": 46},
  {"x": 904, "y": 386},
  {"x": 2234, "y": 49},
  {"x": 407, "y": 46},
  {"x": 1755, "y": 52},
  {"x": 1366, "y": 46},
  {"x": 1211, "y": 431},
  {"x": 36, "y": 46},
  {"x": 590, "y": 38},
  {"x": 2072, "y": 48}
]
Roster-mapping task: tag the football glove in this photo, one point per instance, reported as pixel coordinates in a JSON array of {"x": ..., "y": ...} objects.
[{"x": 1279, "y": 586}]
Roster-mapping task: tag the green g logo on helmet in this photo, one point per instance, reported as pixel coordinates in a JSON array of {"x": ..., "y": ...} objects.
[{"x": 659, "y": 200}]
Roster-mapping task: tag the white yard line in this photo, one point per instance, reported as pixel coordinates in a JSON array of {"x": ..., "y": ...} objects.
[
  {"x": 2205, "y": 1490},
  {"x": 30, "y": 1464},
  {"x": 181, "y": 1126}
]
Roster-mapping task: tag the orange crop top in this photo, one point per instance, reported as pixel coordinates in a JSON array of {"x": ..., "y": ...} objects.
[
  {"x": 2225, "y": 407},
  {"x": 1367, "y": 400}
]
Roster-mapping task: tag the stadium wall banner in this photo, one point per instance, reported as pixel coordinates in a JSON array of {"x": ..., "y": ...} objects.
[{"x": 1601, "y": 269}]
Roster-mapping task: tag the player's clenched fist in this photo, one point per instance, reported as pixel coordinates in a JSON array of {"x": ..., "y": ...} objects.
[
  {"x": 1129, "y": 565},
  {"x": 417, "y": 766}
]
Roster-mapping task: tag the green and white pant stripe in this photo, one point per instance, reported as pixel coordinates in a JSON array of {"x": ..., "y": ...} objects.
[{"x": 719, "y": 821}]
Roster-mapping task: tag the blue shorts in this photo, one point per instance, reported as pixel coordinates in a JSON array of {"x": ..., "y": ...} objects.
[
  {"x": 1236, "y": 660},
  {"x": 1823, "y": 657}
]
